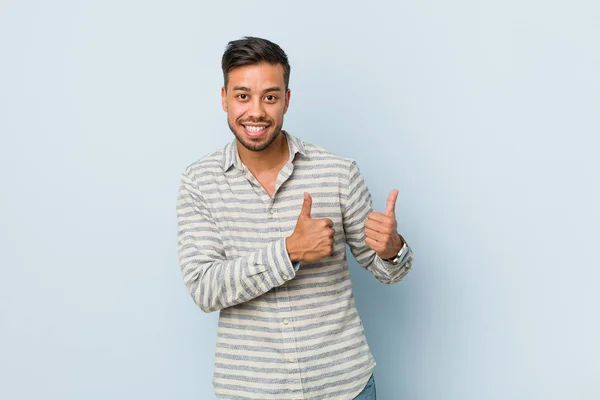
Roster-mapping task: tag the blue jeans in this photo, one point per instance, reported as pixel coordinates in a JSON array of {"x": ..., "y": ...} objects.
[{"x": 368, "y": 392}]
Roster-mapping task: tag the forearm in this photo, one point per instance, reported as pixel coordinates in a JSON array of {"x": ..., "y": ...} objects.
[
  {"x": 216, "y": 284},
  {"x": 214, "y": 281},
  {"x": 392, "y": 273}
]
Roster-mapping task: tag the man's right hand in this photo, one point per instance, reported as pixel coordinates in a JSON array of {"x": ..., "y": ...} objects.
[{"x": 312, "y": 239}]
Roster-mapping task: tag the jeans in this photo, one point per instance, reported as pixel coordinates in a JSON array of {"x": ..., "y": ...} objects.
[{"x": 368, "y": 392}]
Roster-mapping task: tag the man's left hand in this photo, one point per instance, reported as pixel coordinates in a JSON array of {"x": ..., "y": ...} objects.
[{"x": 380, "y": 230}]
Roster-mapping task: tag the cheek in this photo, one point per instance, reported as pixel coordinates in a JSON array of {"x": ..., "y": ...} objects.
[
  {"x": 235, "y": 111},
  {"x": 276, "y": 111}
]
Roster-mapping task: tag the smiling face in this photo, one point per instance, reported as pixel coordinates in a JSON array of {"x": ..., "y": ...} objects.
[{"x": 255, "y": 101}]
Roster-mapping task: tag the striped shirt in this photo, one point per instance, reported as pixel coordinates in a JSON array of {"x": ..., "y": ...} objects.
[{"x": 286, "y": 331}]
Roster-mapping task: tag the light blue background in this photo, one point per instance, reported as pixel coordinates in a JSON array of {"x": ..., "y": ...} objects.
[{"x": 484, "y": 114}]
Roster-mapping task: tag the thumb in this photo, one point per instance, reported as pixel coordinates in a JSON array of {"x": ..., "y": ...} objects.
[
  {"x": 306, "y": 206},
  {"x": 390, "y": 207}
]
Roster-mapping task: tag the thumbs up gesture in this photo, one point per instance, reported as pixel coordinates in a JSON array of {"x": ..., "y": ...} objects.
[
  {"x": 312, "y": 239},
  {"x": 380, "y": 230}
]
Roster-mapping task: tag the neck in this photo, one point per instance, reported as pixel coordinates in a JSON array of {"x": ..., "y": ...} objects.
[{"x": 268, "y": 159}]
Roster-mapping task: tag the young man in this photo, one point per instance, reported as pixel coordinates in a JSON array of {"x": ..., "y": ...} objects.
[{"x": 263, "y": 225}]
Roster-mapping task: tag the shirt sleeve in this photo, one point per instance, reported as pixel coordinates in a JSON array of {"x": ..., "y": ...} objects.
[
  {"x": 213, "y": 281},
  {"x": 356, "y": 207}
]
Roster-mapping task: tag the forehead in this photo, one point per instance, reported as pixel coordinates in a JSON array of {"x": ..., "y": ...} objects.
[{"x": 257, "y": 77}]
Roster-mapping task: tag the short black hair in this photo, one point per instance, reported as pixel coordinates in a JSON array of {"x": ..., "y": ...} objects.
[{"x": 252, "y": 51}]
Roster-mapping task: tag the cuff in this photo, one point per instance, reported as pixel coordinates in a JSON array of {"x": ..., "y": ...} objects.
[{"x": 283, "y": 269}]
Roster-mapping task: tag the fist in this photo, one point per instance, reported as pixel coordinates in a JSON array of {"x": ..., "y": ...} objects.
[
  {"x": 312, "y": 239},
  {"x": 380, "y": 230}
]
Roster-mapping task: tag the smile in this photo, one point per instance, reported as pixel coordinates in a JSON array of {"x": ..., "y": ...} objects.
[{"x": 255, "y": 130}]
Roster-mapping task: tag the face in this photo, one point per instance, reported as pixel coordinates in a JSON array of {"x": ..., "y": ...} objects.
[{"x": 255, "y": 101}]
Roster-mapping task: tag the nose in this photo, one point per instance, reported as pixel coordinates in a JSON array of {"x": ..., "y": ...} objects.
[{"x": 256, "y": 108}]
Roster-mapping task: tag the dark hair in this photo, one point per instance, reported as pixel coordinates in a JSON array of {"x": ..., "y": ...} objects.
[{"x": 252, "y": 51}]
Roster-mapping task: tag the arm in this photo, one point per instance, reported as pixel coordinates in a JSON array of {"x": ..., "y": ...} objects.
[
  {"x": 356, "y": 207},
  {"x": 213, "y": 281}
]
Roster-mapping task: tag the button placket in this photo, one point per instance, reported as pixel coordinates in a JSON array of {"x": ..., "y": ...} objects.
[
  {"x": 289, "y": 338},
  {"x": 290, "y": 347}
]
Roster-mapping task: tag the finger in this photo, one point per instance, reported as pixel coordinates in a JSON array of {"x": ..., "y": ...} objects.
[
  {"x": 306, "y": 205},
  {"x": 380, "y": 219},
  {"x": 385, "y": 227},
  {"x": 390, "y": 207},
  {"x": 376, "y": 236},
  {"x": 377, "y": 217},
  {"x": 375, "y": 246}
]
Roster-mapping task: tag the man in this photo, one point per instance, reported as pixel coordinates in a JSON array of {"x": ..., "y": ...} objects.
[{"x": 263, "y": 225}]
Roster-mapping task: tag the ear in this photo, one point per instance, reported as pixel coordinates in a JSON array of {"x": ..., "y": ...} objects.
[
  {"x": 287, "y": 100},
  {"x": 224, "y": 98}
]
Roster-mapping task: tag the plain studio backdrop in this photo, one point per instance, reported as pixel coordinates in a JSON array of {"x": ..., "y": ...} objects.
[{"x": 484, "y": 114}]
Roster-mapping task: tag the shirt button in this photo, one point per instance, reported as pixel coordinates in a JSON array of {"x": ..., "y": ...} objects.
[
  {"x": 286, "y": 277},
  {"x": 292, "y": 360},
  {"x": 272, "y": 211},
  {"x": 285, "y": 322}
]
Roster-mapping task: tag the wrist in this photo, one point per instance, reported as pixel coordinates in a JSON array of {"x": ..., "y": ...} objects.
[
  {"x": 397, "y": 249},
  {"x": 291, "y": 249},
  {"x": 402, "y": 241}
]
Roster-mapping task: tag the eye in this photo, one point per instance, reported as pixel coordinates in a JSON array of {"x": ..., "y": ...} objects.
[
  {"x": 270, "y": 98},
  {"x": 242, "y": 96}
]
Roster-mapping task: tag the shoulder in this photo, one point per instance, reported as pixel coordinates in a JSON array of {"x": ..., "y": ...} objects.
[
  {"x": 207, "y": 165},
  {"x": 319, "y": 154}
]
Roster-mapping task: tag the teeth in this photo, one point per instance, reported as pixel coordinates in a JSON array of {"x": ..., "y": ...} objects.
[{"x": 255, "y": 129}]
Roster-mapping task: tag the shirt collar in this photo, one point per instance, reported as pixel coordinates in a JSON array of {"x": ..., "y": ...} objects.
[{"x": 231, "y": 156}]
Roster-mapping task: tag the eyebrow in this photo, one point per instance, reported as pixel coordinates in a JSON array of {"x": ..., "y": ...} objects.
[{"x": 271, "y": 89}]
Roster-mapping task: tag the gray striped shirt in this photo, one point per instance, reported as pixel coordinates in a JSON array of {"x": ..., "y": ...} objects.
[{"x": 285, "y": 331}]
